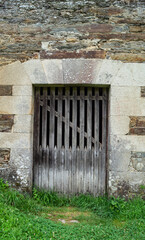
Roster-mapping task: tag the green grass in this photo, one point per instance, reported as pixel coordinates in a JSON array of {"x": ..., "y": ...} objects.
[{"x": 37, "y": 217}]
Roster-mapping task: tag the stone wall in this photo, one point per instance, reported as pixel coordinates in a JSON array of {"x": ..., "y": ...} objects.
[
  {"x": 92, "y": 42},
  {"x": 16, "y": 126},
  {"x": 108, "y": 29},
  {"x": 126, "y": 136}
]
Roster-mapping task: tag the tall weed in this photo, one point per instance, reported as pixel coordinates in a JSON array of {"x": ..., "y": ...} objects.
[{"x": 102, "y": 206}]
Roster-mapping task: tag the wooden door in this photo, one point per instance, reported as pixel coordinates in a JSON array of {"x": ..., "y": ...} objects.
[{"x": 70, "y": 136}]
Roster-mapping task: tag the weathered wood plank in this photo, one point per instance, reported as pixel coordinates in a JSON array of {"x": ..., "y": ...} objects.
[
  {"x": 82, "y": 118},
  {"x": 44, "y": 119},
  {"x": 74, "y": 129},
  {"x": 51, "y": 162},
  {"x": 55, "y": 170},
  {"x": 52, "y": 118},
  {"x": 59, "y": 174},
  {"x": 80, "y": 170},
  {"x": 89, "y": 119},
  {"x": 62, "y": 167},
  {"x": 67, "y": 113},
  {"x": 47, "y": 169},
  {"x": 40, "y": 168},
  {"x": 104, "y": 139},
  {"x": 36, "y": 137},
  {"x": 96, "y": 145},
  {"x": 91, "y": 183},
  {"x": 70, "y": 171},
  {"x": 85, "y": 169},
  {"x": 59, "y": 122},
  {"x": 77, "y": 170},
  {"x": 65, "y": 170}
]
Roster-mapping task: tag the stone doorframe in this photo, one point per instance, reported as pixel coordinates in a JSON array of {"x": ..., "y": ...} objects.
[{"x": 126, "y": 141}]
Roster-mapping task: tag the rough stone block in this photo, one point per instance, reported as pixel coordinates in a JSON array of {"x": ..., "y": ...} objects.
[
  {"x": 23, "y": 124},
  {"x": 21, "y": 158},
  {"x": 138, "y": 161},
  {"x": 15, "y": 140},
  {"x": 126, "y": 143},
  {"x": 16, "y": 105},
  {"x": 22, "y": 90},
  {"x": 138, "y": 73},
  {"x": 124, "y": 91},
  {"x": 20, "y": 180},
  {"x": 92, "y": 28},
  {"x": 107, "y": 72},
  {"x": 127, "y": 106},
  {"x": 14, "y": 74},
  {"x": 72, "y": 54},
  {"x": 124, "y": 76},
  {"x": 142, "y": 91},
  {"x": 125, "y": 184},
  {"x": 127, "y": 57},
  {"x": 116, "y": 46},
  {"x": 53, "y": 71},
  {"x": 4, "y": 156},
  {"x": 118, "y": 36},
  {"x": 137, "y": 125},
  {"x": 118, "y": 125},
  {"x": 35, "y": 71},
  {"x": 81, "y": 71},
  {"x": 119, "y": 158},
  {"x": 6, "y": 122},
  {"x": 5, "y": 90}
]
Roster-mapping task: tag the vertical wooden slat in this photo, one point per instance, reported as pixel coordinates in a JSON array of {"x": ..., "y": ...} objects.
[
  {"x": 89, "y": 119},
  {"x": 36, "y": 137},
  {"x": 55, "y": 169},
  {"x": 91, "y": 185},
  {"x": 44, "y": 137},
  {"x": 82, "y": 118},
  {"x": 47, "y": 168},
  {"x": 40, "y": 167},
  {"x": 74, "y": 141},
  {"x": 96, "y": 129},
  {"x": 87, "y": 169},
  {"x": 62, "y": 166},
  {"x": 44, "y": 119},
  {"x": 67, "y": 113},
  {"x": 74, "y": 170},
  {"x": 59, "y": 173},
  {"x": 84, "y": 169},
  {"x": 52, "y": 118},
  {"x": 51, "y": 163},
  {"x": 43, "y": 168},
  {"x": 51, "y": 137},
  {"x": 74, "y": 130},
  {"x": 77, "y": 179},
  {"x": 80, "y": 170},
  {"x": 59, "y": 141},
  {"x": 59, "y": 122},
  {"x": 96, "y": 146},
  {"x": 70, "y": 171},
  {"x": 104, "y": 139},
  {"x": 67, "y": 117}
]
